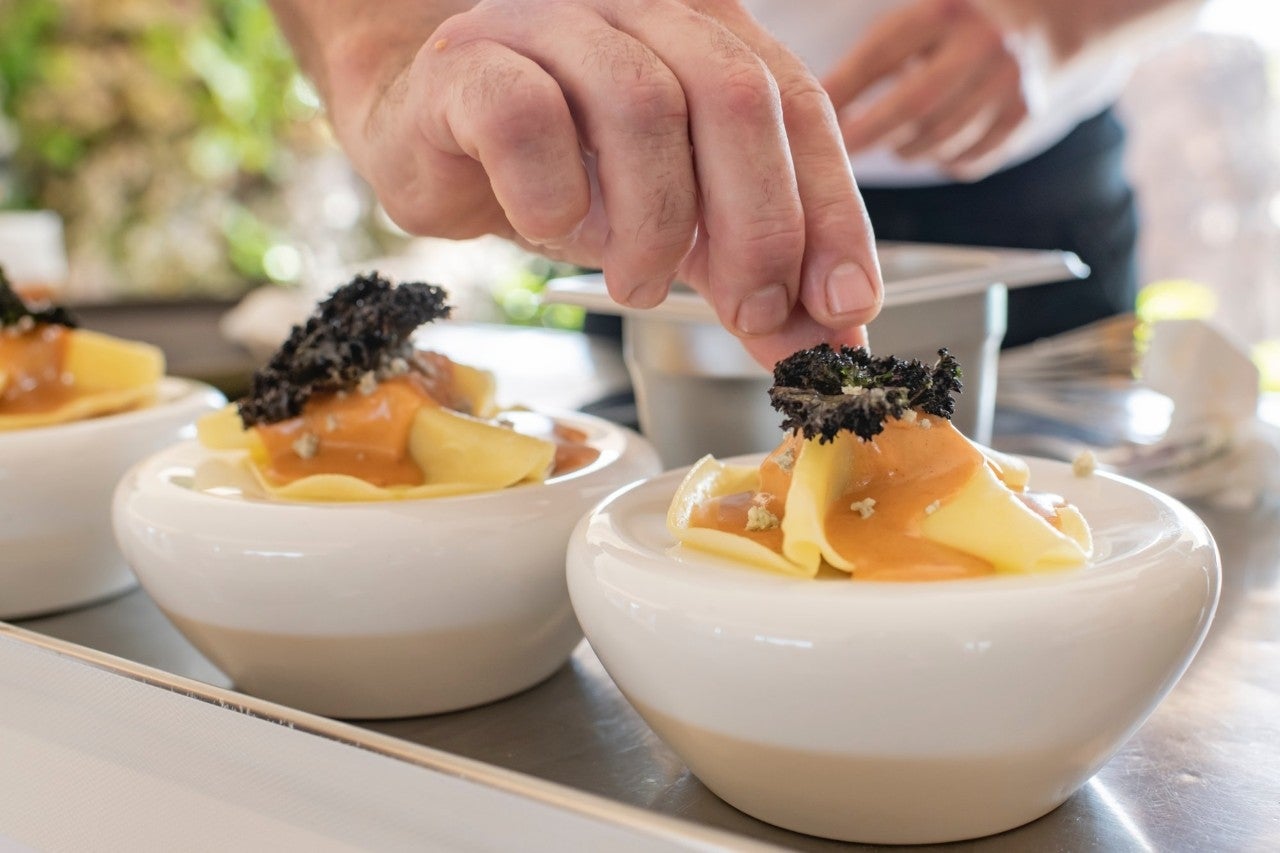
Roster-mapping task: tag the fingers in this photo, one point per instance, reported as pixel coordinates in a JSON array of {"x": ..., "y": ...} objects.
[
  {"x": 936, "y": 132},
  {"x": 926, "y": 90},
  {"x": 885, "y": 46},
  {"x": 504, "y": 112},
  {"x": 957, "y": 98},
  {"x": 652, "y": 138},
  {"x": 839, "y": 279},
  {"x": 1005, "y": 123},
  {"x": 753, "y": 225},
  {"x": 634, "y": 123}
]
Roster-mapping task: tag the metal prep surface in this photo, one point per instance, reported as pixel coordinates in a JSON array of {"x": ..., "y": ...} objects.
[{"x": 1202, "y": 774}]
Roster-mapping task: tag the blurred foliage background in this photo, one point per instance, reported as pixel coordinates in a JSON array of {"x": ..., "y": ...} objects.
[{"x": 165, "y": 134}]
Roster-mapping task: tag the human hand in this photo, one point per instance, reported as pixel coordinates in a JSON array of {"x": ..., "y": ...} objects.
[
  {"x": 655, "y": 140},
  {"x": 953, "y": 85}
]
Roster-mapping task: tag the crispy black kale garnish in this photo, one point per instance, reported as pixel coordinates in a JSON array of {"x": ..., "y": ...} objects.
[
  {"x": 14, "y": 312},
  {"x": 823, "y": 391},
  {"x": 362, "y": 328}
]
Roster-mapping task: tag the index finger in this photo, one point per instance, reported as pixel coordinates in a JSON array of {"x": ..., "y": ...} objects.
[{"x": 840, "y": 283}]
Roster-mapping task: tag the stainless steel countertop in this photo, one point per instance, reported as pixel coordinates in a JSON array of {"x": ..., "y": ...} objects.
[{"x": 1202, "y": 774}]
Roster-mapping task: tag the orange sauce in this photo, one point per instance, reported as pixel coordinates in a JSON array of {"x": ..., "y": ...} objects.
[
  {"x": 367, "y": 435},
  {"x": 34, "y": 361},
  {"x": 904, "y": 470},
  {"x": 363, "y": 435},
  {"x": 730, "y": 513},
  {"x": 572, "y": 450}
]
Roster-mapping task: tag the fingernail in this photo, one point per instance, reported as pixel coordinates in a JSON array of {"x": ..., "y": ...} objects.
[
  {"x": 849, "y": 290},
  {"x": 647, "y": 295},
  {"x": 763, "y": 311}
]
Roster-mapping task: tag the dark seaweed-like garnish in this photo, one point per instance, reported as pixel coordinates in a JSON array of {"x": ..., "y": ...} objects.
[
  {"x": 824, "y": 391},
  {"x": 16, "y": 313},
  {"x": 363, "y": 328}
]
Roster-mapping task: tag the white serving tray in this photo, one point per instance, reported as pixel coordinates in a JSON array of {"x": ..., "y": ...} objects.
[{"x": 100, "y": 753}]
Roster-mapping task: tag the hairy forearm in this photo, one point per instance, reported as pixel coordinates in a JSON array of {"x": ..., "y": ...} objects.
[
  {"x": 1068, "y": 27},
  {"x": 352, "y": 50}
]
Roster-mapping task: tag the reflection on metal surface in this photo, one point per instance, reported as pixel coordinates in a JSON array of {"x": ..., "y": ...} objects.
[{"x": 1121, "y": 814}]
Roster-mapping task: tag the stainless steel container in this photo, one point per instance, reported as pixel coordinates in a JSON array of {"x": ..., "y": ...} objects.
[{"x": 698, "y": 392}]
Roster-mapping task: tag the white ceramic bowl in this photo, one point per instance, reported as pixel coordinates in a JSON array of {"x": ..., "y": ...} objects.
[
  {"x": 897, "y": 713},
  {"x": 368, "y": 610},
  {"x": 56, "y": 546}
]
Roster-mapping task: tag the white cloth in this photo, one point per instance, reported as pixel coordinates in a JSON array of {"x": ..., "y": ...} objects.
[{"x": 820, "y": 32}]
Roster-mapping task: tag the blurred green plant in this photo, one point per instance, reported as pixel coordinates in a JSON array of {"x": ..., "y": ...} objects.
[
  {"x": 162, "y": 132},
  {"x": 519, "y": 297}
]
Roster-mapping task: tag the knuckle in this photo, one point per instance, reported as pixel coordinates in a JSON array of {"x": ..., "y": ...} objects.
[
  {"x": 671, "y": 210},
  {"x": 769, "y": 241},
  {"x": 748, "y": 92},
  {"x": 517, "y": 119},
  {"x": 805, "y": 97},
  {"x": 654, "y": 105}
]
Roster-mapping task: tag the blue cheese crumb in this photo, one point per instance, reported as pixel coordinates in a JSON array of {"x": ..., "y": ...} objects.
[
  {"x": 759, "y": 518},
  {"x": 864, "y": 507},
  {"x": 306, "y": 445},
  {"x": 1084, "y": 464}
]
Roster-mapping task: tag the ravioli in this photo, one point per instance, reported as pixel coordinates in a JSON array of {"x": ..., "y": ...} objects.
[
  {"x": 52, "y": 374},
  {"x": 917, "y": 502}
]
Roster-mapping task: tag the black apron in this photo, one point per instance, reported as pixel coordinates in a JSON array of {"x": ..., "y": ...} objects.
[{"x": 1075, "y": 196}]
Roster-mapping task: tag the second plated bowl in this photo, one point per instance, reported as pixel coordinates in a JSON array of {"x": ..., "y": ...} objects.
[
  {"x": 367, "y": 610},
  {"x": 56, "y": 482}
]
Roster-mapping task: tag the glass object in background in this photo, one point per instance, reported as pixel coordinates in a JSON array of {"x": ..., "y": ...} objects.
[{"x": 32, "y": 253}]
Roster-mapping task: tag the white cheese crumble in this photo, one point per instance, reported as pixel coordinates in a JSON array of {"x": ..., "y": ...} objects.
[
  {"x": 864, "y": 507},
  {"x": 1084, "y": 464},
  {"x": 853, "y": 390},
  {"x": 759, "y": 518},
  {"x": 909, "y": 416},
  {"x": 786, "y": 460},
  {"x": 925, "y": 423},
  {"x": 306, "y": 445},
  {"x": 932, "y": 508},
  {"x": 368, "y": 383},
  {"x": 330, "y": 423}
]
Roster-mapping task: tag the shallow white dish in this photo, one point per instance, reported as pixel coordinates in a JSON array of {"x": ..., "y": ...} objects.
[
  {"x": 897, "y": 713},
  {"x": 56, "y": 546},
  {"x": 367, "y": 610}
]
